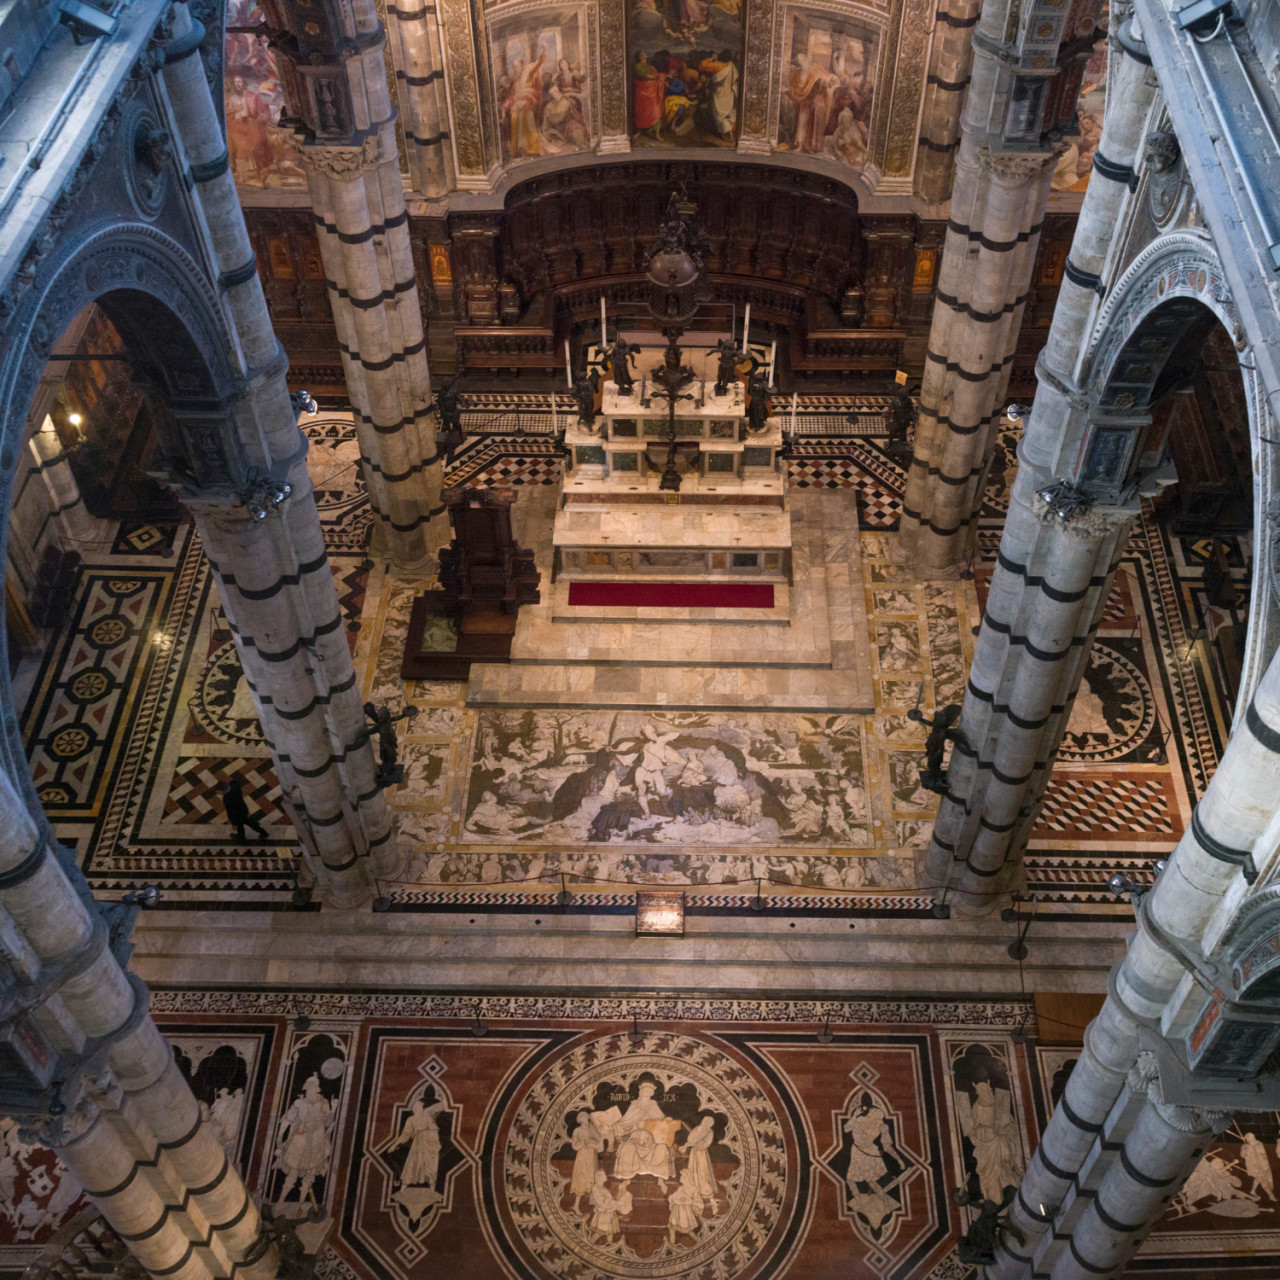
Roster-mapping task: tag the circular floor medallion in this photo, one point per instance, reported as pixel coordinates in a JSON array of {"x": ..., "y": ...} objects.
[
  {"x": 89, "y": 685},
  {"x": 664, "y": 1161},
  {"x": 71, "y": 743},
  {"x": 108, "y": 632},
  {"x": 1114, "y": 711},
  {"x": 223, "y": 704}
]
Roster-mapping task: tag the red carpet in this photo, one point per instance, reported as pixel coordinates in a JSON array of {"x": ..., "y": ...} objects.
[{"x": 674, "y": 595}]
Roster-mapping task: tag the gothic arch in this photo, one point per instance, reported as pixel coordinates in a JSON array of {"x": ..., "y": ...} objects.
[
  {"x": 141, "y": 270},
  {"x": 1181, "y": 274}
]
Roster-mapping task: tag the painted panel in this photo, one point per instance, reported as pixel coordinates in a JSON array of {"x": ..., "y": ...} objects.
[
  {"x": 828, "y": 80},
  {"x": 541, "y": 78},
  {"x": 1072, "y": 173},
  {"x": 685, "y": 73},
  {"x": 262, "y": 153}
]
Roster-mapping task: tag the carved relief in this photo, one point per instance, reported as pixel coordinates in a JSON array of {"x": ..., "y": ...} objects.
[{"x": 464, "y": 89}]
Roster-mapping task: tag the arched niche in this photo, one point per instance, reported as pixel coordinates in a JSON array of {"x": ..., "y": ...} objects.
[
  {"x": 1152, "y": 323},
  {"x": 160, "y": 300}
]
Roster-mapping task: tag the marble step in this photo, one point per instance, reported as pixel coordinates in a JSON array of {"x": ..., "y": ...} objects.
[
  {"x": 593, "y": 684},
  {"x": 467, "y": 950}
]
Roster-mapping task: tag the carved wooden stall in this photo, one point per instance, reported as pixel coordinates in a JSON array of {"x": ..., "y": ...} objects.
[{"x": 484, "y": 579}]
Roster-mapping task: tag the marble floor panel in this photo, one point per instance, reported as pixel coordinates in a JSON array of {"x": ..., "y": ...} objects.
[{"x": 556, "y": 1137}]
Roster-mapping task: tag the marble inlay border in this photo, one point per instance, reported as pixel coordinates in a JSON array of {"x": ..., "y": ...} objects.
[{"x": 687, "y": 1008}]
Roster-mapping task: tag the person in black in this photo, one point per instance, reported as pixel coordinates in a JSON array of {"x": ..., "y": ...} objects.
[{"x": 238, "y": 811}]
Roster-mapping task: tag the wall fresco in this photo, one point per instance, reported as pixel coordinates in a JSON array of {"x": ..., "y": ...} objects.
[
  {"x": 541, "y": 81},
  {"x": 828, "y": 79},
  {"x": 262, "y": 153},
  {"x": 685, "y": 72}
]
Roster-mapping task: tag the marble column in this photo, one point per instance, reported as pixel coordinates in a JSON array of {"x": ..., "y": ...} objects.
[
  {"x": 273, "y": 573},
  {"x": 121, "y": 1117},
  {"x": 357, "y": 195},
  {"x": 1052, "y": 575},
  {"x": 1227, "y": 831},
  {"x": 1154, "y": 1153},
  {"x": 420, "y": 68},
  {"x": 1042, "y": 610},
  {"x": 997, "y": 208}
]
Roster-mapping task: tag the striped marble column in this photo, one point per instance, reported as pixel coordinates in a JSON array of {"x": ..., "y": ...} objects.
[
  {"x": 1154, "y": 1152},
  {"x": 415, "y": 32},
  {"x": 125, "y": 1121},
  {"x": 1041, "y": 614},
  {"x": 1052, "y": 576},
  {"x": 945, "y": 87},
  {"x": 1228, "y": 826},
  {"x": 273, "y": 574},
  {"x": 357, "y": 195},
  {"x": 996, "y": 212}
]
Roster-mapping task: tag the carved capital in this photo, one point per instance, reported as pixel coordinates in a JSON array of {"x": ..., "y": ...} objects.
[
  {"x": 1144, "y": 1077},
  {"x": 1015, "y": 168},
  {"x": 344, "y": 163}
]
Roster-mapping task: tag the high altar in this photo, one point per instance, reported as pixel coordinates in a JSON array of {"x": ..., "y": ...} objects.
[
  {"x": 728, "y": 519},
  {"x": 678, "y": 475}
]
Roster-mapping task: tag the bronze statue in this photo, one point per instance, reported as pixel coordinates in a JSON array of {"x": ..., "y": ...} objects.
[
  {"x": 758, "y": 409},
  {"x": 449, "y": 410},
  {"x": 988, "y": 1231},
  {"x": 902, "y": 416},
  {"x": 382, "y": 723},
  {"x": 584, "y": 392},
  {"x": 727, "y": 370},
  {"x": 933, "y": 777},
  {"x": 621, "y": 353}
]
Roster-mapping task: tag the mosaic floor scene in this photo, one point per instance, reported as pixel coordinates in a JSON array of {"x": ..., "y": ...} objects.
[
  {"x": 139, "y": 712},
  {"x": 541, "y": 1137}
]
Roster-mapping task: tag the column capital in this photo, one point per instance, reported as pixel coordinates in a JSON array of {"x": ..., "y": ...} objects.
[
  {"x": 342, "y": 162},
  {"x": 1015, "y": 168},
  {"x": 1144, "y": 1078}
]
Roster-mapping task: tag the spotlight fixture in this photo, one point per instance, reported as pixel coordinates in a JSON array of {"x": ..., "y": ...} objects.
[
  {"x": 1016, "y": 412},
  {"x": 1120, "y": 884},
  {"x": 145, "y": 897},
  {"x": 75, "y": 419},
  {"x": 257, "y": 512},
  {"x": 304, "y": 402},
  {"x": 1064, "y": 499},
  {"x": 635, "y": 1035}
]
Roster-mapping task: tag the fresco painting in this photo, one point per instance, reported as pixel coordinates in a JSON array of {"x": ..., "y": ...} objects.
[
  {"x": 541, "y": 83},
  {"x": 1072, "y": 173},
  {"x": 828, "y": 80},
  {"x": 686, "y": 73},
  {"x": 262, "y": 153}
]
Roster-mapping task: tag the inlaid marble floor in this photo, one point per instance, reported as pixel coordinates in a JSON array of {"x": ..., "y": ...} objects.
[
  {"x": 549, "y": 1137},
  {"x": 139, "y": 711}
]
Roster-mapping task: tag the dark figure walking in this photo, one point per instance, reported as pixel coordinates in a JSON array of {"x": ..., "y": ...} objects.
[{"x": 238, "y": 811}]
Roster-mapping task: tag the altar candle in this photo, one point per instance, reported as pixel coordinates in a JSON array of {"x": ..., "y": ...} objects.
[
  {"x": 568, "y": 371},
  {"x": 793, "y": 414},
  {"x": 553, "y": 413},
  {"x": 602, "y": 332},
  {"x": 773, "y": 355},
  {"x": 746, "y": 329}
]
